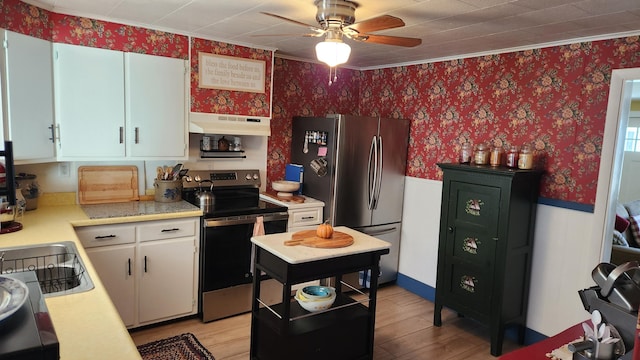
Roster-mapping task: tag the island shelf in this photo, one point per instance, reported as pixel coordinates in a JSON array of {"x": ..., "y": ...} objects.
[{"x": 285, "y": 330}]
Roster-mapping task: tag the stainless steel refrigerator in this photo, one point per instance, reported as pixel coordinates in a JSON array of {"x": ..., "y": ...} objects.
[{"x": 356, "y": 165}]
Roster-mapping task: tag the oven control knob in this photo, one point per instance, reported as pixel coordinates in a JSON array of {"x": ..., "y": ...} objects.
[
  {"x": 255, "y": 177},
  {"x": 248, "y": 177}
]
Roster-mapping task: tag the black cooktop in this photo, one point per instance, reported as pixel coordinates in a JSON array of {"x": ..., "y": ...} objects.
[{"x": 233, "y": 203}]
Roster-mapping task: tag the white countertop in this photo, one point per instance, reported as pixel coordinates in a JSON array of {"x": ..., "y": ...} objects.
[
  {"x": 274, "y": 243},
  {"x": 308, "y": 202}
]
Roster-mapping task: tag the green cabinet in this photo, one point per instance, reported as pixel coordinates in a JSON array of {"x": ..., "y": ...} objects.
[{"x": 487, "y": 221}]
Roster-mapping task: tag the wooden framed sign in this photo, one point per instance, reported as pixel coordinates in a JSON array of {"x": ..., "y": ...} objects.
[{"x": 230, "y": 73}]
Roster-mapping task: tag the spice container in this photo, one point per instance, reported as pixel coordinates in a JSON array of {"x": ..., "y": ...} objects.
[
  {"x": 481, "y": 156},
  {"x": 512, "y": 157},
  {"x": 465, "y": 153},
  {"x": 525, "y": 158},
  {"x": 496, "y": 156}
]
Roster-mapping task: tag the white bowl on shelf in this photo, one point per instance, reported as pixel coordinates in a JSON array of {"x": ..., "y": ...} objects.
[
  {"x": 314, "y": 305},
  {"x": 285, "y": 188}
]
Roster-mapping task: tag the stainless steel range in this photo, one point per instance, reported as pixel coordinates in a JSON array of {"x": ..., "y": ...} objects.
[{"x": 232, "y": 206}]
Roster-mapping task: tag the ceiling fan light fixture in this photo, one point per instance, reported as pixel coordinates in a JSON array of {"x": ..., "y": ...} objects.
[{"x": 333, "y": 52}]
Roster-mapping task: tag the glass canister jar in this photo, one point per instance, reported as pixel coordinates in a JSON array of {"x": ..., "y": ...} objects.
[
  {"x": 525, "y": 158},
  {"x": 481, "y": 156},
  {"x": 495, "y": 158},
  {"x": 465, "y": 153},
  {"x": 512, "y": 157}
]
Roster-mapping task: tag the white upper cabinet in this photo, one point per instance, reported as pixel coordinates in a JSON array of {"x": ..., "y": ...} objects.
[
  {"x": 112, "y": 105},
  {"x": 28, "y": 103},
  {"x": 89, "y": 98},
  {"x": 156, "y": 106}
]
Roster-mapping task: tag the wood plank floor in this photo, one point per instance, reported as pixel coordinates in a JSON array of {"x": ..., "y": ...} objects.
[{"x": 404, "y": 330}]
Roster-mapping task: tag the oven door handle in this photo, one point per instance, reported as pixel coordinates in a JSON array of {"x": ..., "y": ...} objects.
[{"x": 249, "y": 219}]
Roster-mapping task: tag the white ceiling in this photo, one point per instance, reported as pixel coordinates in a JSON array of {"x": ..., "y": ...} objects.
[{"x": 448, "y": 28}]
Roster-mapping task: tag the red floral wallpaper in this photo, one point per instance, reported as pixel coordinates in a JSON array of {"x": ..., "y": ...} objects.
[
  {"x": 225, "y": 101},
  {"x": 31, "y": 20},
  {"x": 302, "y": 89},
  {"x": 25, "y": 19},
  {"x": 554, "y": 99},
  {"x": 102, "y": 34}
]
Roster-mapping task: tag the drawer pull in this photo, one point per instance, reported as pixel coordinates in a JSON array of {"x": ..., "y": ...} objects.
[
  {"x": 468, "y": 283},
  {"x": 170, "y": 230},
  {"x": 308, "y": 217},
  {"x": 100, "y": 237},
  {"x": 471, "y": 245}
]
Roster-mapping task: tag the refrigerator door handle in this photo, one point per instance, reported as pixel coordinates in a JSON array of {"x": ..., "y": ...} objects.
[
  {"x": 379, "y": 179},
  {"x": 372, "y": 177},
  {"x": 380, "y": 231}
]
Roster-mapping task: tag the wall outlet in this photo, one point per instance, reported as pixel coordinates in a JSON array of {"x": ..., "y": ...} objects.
[{"x": 63, "y": 169}]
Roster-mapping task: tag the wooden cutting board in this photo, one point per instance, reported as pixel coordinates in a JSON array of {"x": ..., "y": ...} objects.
[
  {"x": 309, "y": 238},
  {"x": 107, "y": 184},
  {"x": 294, "y": 199}
]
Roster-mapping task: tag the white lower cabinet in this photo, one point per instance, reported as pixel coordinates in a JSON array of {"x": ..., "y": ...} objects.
[
  {"x": 115, "y": 265},
  {"x": 150, "y": 269},
  {"x": 164, "y": 289}
]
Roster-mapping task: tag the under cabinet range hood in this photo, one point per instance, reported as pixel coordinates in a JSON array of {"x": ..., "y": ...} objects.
[{"x": 205, "y": 123}]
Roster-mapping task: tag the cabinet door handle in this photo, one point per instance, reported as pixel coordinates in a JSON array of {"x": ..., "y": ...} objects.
[
  {"x": 129, "y": 266},
  {"x": 145, "y": 263},
  {"x": 137, "y": 136},
  {"x": 53, "y": 133},
  {"x": 170, "y": 230},
  {"x": 100, "y": 237},
  {"x": 121, "y": 134},
  {"x": 450, "y": 228}
]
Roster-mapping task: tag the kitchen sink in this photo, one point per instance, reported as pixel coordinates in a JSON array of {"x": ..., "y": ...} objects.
[{"x": 58, "y": 267}]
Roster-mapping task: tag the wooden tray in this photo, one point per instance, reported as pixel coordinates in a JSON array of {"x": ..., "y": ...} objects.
[
  {"x": 107, "y": 184},
  {"x": 309, "y": 238},
  {"x": 294, "y": 199}
]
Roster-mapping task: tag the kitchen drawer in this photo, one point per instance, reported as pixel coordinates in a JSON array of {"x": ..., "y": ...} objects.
[
  {"x": 474, "y": 247},
  {"x": 304, "y": 217},
  {"x": 103, "y": 235},
  {"x": 470, "y": 287},
  {"x": 159, "y": 230}
]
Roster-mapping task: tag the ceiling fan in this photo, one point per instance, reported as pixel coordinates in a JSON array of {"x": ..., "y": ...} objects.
[{"x": 336, "y": 19}]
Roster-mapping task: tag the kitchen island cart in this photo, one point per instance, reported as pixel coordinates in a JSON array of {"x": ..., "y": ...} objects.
[
  {"x": 485, "y": 246},
  {"x": 285, "y": 330}
]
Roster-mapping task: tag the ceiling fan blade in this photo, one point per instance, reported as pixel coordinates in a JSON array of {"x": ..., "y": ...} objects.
[
  {"x": 377, "y": 23},
  {"x": 388, "y": 40},
  {"x": 317, "y": 34},
  {"x": 312, "y": 27}
]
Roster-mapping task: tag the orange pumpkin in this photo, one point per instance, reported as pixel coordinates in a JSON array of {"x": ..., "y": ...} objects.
[{"x": 325, "y": 231}]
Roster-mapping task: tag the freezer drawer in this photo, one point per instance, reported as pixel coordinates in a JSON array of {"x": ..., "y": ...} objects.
[{"x": 388, "y": 263}]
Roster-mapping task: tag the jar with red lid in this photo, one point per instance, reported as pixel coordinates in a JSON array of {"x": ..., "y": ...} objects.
[{"x": 512, "y": 157}]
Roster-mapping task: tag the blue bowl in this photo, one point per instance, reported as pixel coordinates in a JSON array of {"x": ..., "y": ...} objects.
[{"x": 317, "y": 292}]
